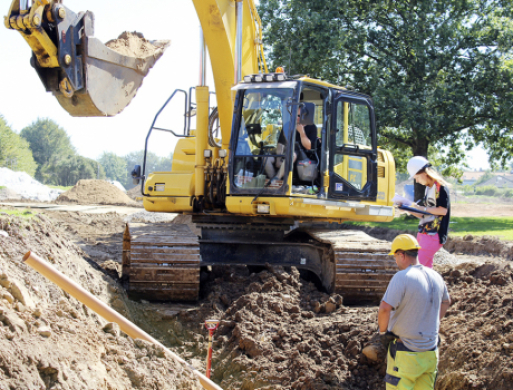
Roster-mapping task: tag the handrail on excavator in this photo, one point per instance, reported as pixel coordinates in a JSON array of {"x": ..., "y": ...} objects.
[{"x": 142, "y": 175}]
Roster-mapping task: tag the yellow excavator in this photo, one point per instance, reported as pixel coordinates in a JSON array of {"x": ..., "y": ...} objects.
[{"x": 258, "y": 193}]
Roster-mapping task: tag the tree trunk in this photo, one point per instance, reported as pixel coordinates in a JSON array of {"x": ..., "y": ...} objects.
[{"x": 420, "y": 149}]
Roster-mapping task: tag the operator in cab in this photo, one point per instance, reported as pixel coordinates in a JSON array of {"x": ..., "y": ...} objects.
[{"x": 306, "y": 137}]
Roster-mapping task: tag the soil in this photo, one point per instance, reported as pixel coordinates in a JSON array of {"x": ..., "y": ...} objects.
[
  {"x": 95, "y": 192},
  {"x": 48, "y": 340},
  {"x": 6, "y": 193},
  {"x": 134, "y": 192},
  {"x": 277, "y": 329},
  {"x": 133, "y": 44},
  {"x": 492, "y": 209}
]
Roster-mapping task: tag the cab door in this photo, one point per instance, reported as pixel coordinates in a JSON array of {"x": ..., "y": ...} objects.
[{"x": 352, "y": 148}]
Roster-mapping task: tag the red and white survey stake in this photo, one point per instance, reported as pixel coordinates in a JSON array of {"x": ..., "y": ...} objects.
[{"x": 211, "y": 325}]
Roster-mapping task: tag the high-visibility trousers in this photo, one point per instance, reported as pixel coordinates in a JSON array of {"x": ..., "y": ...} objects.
[{"x": 407, "y": 370}]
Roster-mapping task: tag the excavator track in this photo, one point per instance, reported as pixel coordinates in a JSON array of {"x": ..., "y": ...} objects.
[
  {"x": 161, "y": 262},
  {"x": 362, "y": 265}
]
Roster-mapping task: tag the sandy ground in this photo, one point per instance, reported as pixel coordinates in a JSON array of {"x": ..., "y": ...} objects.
[{"x": 481, "y": 210}]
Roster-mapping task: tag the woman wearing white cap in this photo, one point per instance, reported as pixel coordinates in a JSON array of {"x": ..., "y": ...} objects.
[{"x": 433, "y": 228}]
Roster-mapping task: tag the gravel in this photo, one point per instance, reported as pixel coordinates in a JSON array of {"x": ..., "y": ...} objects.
[
  {"x": 150, "y": 217},
  {"x": 27, "y": 187}
]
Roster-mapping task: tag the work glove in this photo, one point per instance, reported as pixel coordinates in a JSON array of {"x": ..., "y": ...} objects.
[
  {"x": 377, "y": 347},
  {"x": 386, "y": 338}
]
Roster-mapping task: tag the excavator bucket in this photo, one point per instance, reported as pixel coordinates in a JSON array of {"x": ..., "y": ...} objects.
[{"x": 87, "y": 77}]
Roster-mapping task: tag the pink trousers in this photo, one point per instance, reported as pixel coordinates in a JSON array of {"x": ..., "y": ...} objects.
[{"x": 429, "y": 245}]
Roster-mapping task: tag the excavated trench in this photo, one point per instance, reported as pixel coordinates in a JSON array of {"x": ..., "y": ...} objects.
[{"x": 277, "y": 330}]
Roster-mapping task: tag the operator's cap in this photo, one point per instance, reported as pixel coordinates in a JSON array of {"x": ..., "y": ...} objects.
[{"x": 404, "y": 242}]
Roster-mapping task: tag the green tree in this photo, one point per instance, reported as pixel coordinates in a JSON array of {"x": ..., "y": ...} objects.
[
  {"x": 440, "y": 73},
  {"x": 154, "y": 163},
  {"x": 68, "y": 170},
  {"x": 15, "y": 152},
  {"x": 115, "y": 167},
  {"x": 47, "y": 139}
]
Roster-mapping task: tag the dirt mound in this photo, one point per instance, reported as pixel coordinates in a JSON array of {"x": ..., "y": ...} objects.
[
  {"x": 478, "y": 329},
  {"x": 134, "y": 192},
  {"x": 95, "y": 192},
  {"x": 480, "y": 245},
  {"x": 277, "y": 331},
  {"x": 6, "y": 193},
  {"x": 50, "y": 340}
]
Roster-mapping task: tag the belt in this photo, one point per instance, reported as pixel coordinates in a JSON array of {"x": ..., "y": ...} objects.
[{"x": 399, "y": 346}]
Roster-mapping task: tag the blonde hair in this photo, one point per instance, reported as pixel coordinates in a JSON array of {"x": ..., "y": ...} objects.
[{"x": 430, "y": 171}]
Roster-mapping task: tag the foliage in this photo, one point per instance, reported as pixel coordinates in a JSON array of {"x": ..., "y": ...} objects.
[
  {"x": 15, "y": 152},
  {"x": 440, "y": 73},
  {"x": 459, "y": 226},
  {"x": 19, "y": 213},
  {"x": 469, "y": 190},
  {"x": 115, "y": 167},
  {"x": 154, "y": 163},
  {"x": 487, "y": 190},
  {"x": 47, "y": 141},
  {"x": 508, "y": 193},
  {"x": 67, "y": 170},
  {"x": 486, "y": 176},
  {"x": 64, "y": 188}
]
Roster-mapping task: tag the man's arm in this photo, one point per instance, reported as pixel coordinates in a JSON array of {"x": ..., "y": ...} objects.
[
  {"x": 384, "y": 316},
  {"x": 305, "y": 141},
  {"x": 443, "y": 308}
]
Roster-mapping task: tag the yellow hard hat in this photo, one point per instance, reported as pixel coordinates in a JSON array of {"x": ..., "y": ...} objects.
[{"x": 404, "y": 242}]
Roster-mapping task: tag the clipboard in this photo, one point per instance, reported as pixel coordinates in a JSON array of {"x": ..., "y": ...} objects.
[{"x": 414, "y": 210}]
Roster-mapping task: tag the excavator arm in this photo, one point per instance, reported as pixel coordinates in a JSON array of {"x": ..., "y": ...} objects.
[{"x": 218, "y": 20}]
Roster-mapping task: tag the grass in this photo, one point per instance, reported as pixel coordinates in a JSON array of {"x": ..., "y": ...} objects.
[
  {"x": 19, "y": 213},
  {"x": 459, "y": 226},
  {"x": 2, "y": 187}
]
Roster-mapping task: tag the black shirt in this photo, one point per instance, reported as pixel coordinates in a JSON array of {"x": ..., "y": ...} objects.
[{"x": 311, "y": 133}]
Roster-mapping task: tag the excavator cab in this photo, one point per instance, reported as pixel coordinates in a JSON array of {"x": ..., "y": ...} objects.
[
  {"x": 263, "y": 140},
  {"x": 87, "y": 77},
  {"x": 267, "y": 158}
]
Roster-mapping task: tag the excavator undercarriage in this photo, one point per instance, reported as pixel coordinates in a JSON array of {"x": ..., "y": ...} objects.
[{"x": 163, "y": 262}]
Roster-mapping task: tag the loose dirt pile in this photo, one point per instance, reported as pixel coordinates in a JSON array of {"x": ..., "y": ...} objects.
[
  {"x": 455, "y": 245},
  {"x": 50, "y": 340},
  {"x": 7, "y": 193},
  {"x": 478, "y": 329},
  {"x": 133, "y": 44},
  {"x": 134, "y": 192},
  {"x": 95, "y": 192},
  {"x": 277, "y": 330},
  {"x": 26, "y": 187}
]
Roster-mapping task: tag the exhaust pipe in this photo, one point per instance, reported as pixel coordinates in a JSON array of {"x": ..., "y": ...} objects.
[{"x": 102, "y": 309}]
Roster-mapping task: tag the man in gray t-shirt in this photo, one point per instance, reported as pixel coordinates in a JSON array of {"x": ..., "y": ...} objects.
[{"x": 415, "y": 301}]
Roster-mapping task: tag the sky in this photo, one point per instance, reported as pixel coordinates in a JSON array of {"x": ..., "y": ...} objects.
[{"x": 23, "y": 98}]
